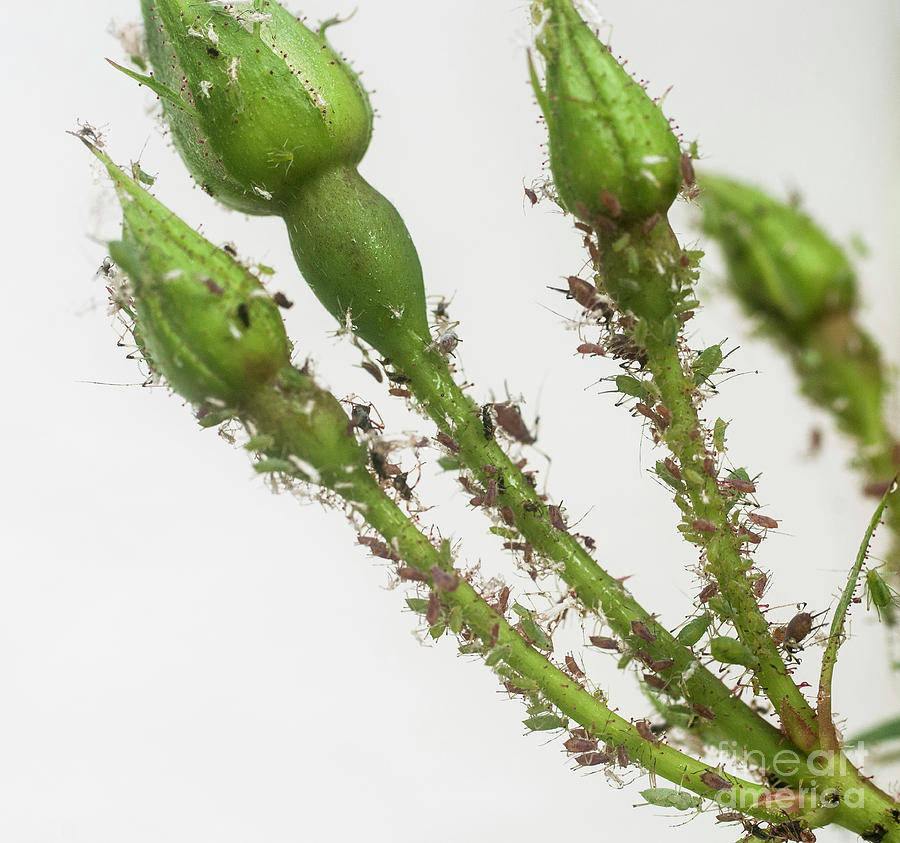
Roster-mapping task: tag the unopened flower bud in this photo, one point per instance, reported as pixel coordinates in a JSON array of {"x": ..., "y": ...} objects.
[
  {"x": 781, "y": 265},
  {"x": 612, "y": 152},
  {"x": 207, "y": 325},
  {"x": 256, "y": 101}
]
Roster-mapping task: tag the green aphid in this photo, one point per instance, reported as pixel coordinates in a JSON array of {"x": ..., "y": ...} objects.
[
  {"x": 448, "y": 463},
  {"x": 545, "y": 722},
  {"x": 216, "y": 417},
  {"x": 694, "y": 630},
  {"x": 628, "y": 385},
  {"x": 667, "y": 477},
  {"x": 261, "y": 442},
  {"x": 731, "y": 651},
  {"x": 417, "y": 604},
  {"x": 719, "y": 429},
  {"x": 498, "y": 654},
  {"x": 536, "y": 634},
  {"x": 706, "y": 363},
  {"x": 437, "y": 630},
  {"x": 521, "y": 611},
  {"x": 667, "y": 797},
  {"x": 275, "y": 466},
  {"x": 880, "y": 595},
  {"x": 456, "y": 620},
  {"x": 504, "y": 532},
  {"x": 140, "y": 175},
  {"x": 720, "y": 607}
]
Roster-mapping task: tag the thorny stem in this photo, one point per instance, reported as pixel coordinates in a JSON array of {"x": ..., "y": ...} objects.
[
  {"x": 271, "y": 414},
  {"x": 458, "y": 416}
]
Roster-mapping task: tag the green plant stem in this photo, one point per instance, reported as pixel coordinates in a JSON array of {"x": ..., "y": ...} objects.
[{"x": 458, "y": 416}]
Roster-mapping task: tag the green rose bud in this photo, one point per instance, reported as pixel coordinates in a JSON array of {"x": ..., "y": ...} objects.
[
  {"x": 612, "y": 151},
  {"x": 270, "y": 121},
  {"x": 206, "y": 323},
  {"x": 781, "y": 265},
  {"x": 255, "y": 100}
]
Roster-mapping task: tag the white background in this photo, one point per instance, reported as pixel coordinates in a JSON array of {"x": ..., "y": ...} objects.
[{"x": 184, "y": 656}]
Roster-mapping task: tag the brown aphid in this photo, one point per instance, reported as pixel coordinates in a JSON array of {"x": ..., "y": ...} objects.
[
  {"x": 644, "y": 730},
  {"x": 645, "y": 411},
  {"x": 661, "y": 664},
  {"x": 582, "y": 226},
  {"x": 687, "y": 169},
  {"x": 399, "y": 392},
  {"x": 641, "y": 630},
  {"x": 478, "y": 500},
  {"x": 591, "y": 348},
  {"x": 655, "y": 682},
  {"x": 468, "y": 485},
  {"x": 532, "y": 196},
  {"x": 665, "y": 415},
  {"x": 372, "y": 369},
  {"x": 589, "y": 542},
  {"x": 877, "y": 490},
  {"x": 749, "y": 535},
  {"x": 556, "y": 518},
  {"x": 778, "y": 635},
  {"x": 580, "y": 745},
  {"x": 574, "y": 669},
  {"x": 579, "y": 732},
  {"x": 703, "y": 525},
  {"x": 509, "y": 418},
  {"x": 214, "y": 288},
  {"x": 729, "y": 817},
  {"x": 611, "y": 203},
  {"x": 605, "y": 643},
  {"x": 715, "y": 782},
  {"x": 413, "y": 574},
  {"x": 502, "y": 600},
  {"x": 759, "y": 585},
  {"x": 448, "y": 442},
  {"x": 444, "y": 580},
  {"x": 583, "y": 292},
  {"x": 762, "y": 520},
  {"x": 282, "y": 301},
  {"x": 622, "y": 757},
  {"x": 708, "y": 592},
  {"x": 709, "y": 468},
  {"x": 592, "y": 759},
  {"x": 643, "y": 656},
  {"x": 433, "y": 612},
  {"x": 376, "y": 547},
  {"x": 495, "y": 635},
  {"x": 529, "y": 554},
  {"x": 507, "y": 514},
  {"x": 745, "y": 487},
  {"x": 703, "y": 711},
  {"x": 490, "y": 493},
  {"x": 672, "y": 467},
  {"x": 798, "y": 627},
  {"x": 603, "y": 223},
  {"x": 650, "y": 223}
]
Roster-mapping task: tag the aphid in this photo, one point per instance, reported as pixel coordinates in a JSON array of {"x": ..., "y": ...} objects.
[
  {"x": 731, "y": 651},
  {"x": 605, "y": 643},
  {"x": 715, "y": 782},
  {"x": 687, "y": 169},
  {"x": 703, "y": 525},
  {"x": 444, "y": 580},
  {"x": 610, "y": 202},
  {"x": 667, "y": 797},
  {"x": 584, "y": 293},
  {"x": 645, "y": 411},
  {"x": 703, "y": 711},
  {"x": 708, "y": 591},
  {"x": 507, "y": 514},
  {"x": 581, "y": 226},
  {"x": 622, "y": 757},
  {"x": 749, "y": 536},
  {"x": 212, "y": 52},
  {"x": 644, "y": 730},
  {"x": 487, "y": 422},
  {"x": 673, "y": 468},
  {"x": 509, "y": 418},
  {"x": 433, "y": 612},
  {"x": 762, "y": 520},
  {"x": 372, "y": 369},
  {"x": 376, "y": 547},
  {"x": 745, "y": 487},
  {"x": 243, "y": 314},
  {"x": 412, "y": 574},
  {"x": 556, "y": 518},
  {"x": 448, "y": 342},
  {"x": 655, "y": 682},
  {"x": 282, "y": 301},
  {"x": 495, "y": 635},
  {"x": 665, "y": 415},
  {"x": 448, "y": 442},
  {"x": 880, "y": 595},
  {"x": 650, "y": 223},
  {"x": 729, "y": 817},
  {"x": 877, "y": 490},
  {"x": 661, "y": 664},
  {"x": 399, "y": 393},
  {"x": 759, "y": 585},
  {"x": 643, "y": 656},
  {"x": 490, "y": 493},
  {"x": 230, "y": 249},
  {"x": 531, "y": 506},
  {"x": 575, "y": 670},
  {"x": 580, "y": 745},
  {"x": 591, "y": 348},
  {"x": 798, "y": 627},
  {"x": 532, "y": 196},
  {"x": 694, "y": 630},
  {"x": 398, "y": 481},
  {"x": 641, "y": 630},
  {"x": 709, "y": 468},
  {"x": 214, "y": 288},
  {"x": 622, "y": 347},
  {"x": 592, "y": 759},
  {"x": 502, "y": 600},
  {"x": 360, "y": 419}
]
